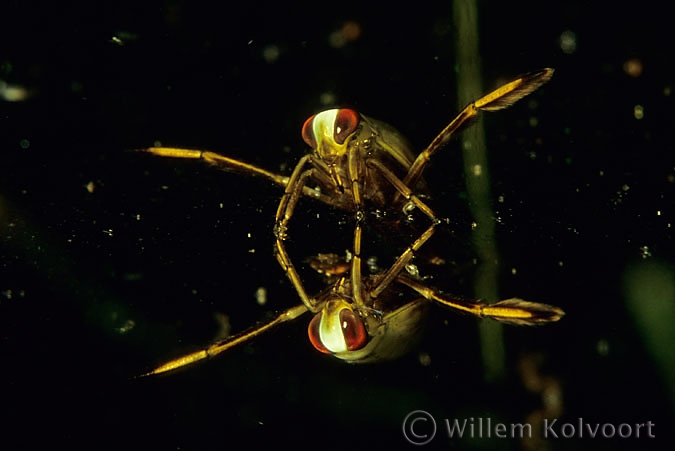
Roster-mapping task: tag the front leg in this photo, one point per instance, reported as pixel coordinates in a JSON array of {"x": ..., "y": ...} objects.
[
  {"x": 289, "y": 200},
  {"x": 356, "y": 170}
]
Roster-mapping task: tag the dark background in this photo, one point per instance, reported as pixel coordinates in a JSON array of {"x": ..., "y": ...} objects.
[{"x": 97, "y": 287}]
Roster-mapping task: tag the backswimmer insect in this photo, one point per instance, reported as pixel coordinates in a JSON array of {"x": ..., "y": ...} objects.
[{"x": 358, "y": 164}]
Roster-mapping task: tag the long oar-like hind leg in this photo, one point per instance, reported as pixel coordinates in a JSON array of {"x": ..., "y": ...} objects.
[
  {"x": 500, "y": 98},
  {"x": 511, "y": 311},
  {"x": 228, "y": 343},
  {"x": 230, "y": 164},
  {"x": 218, "y": 160}
]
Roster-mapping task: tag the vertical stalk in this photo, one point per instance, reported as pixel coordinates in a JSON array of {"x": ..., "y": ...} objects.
[{"x": 465, "y": 13}]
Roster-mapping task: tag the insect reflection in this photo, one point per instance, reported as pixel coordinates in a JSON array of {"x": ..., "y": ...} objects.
[{"x": 358, "y": 164}]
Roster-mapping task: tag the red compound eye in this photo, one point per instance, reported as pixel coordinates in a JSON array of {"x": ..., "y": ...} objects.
[
  {"x": 315, "y": 334},
  {"x": 337, "y": 331},
  {"x": 308, "y": 132},
  {"x": 346, "y": 122},
  {"x": 353, "y": 330}
]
